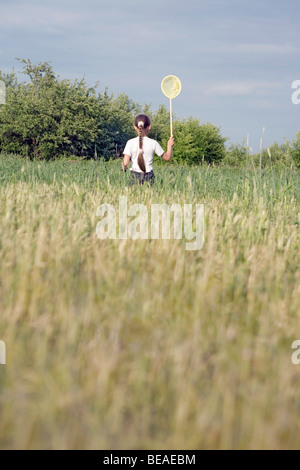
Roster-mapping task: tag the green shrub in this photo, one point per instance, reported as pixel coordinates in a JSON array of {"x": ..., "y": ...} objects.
[
  {"x": 295, "y": 150},
  {"x": 197, "y": 143},
  {"x": 236, "y": 155},
  {"x": 46, "y": 118}
]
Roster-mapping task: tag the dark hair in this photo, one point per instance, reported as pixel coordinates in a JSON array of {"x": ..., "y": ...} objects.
[
  {"x": 141, "y": 122},
  {"x": 142, "y": 118}
]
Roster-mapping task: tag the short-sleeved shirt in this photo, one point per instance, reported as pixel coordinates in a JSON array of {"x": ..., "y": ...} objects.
[{"x": 150, "y": 146}]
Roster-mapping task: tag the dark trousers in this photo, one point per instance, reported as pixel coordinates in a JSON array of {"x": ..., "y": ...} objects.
[{"x": 141, "y": 178}]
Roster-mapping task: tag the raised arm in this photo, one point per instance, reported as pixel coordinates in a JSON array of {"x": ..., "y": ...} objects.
[{"x": 169, "y": 153}]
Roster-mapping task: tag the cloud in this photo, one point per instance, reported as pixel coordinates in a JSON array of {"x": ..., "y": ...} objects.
[
  {"x": 36, "y": 18},
  {"x": 232, "y": 57},
  {"x": 240, "y": 88},
  {"x": 266, "y": 48}
]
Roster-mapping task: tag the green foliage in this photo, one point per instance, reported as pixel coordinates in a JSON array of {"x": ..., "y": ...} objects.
[
  {"x": 236, "y": 155},
  {"x": 295, "y": 150},
  {"x": 274, "y": 155},
  {"x": 160, "y": 125},
  {"x": 185, "y": 150},
  {"x": 10, "y": 79},
  {"x": 239, "y": 156},
  {"x": 212, "y": 143},
  {"x": 116, "y": 118},
  {"x": 46, "y": 118},
  {"x": 196, "y": 143}
]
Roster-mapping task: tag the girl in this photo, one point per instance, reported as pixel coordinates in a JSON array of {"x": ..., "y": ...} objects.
[{"x": 140, "y": 151}]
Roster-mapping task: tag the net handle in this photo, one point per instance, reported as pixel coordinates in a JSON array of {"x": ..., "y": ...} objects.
[{"x": 171, "y": 118}]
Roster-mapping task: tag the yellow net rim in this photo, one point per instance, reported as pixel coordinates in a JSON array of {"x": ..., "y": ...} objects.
[{"x": 171, "y": 86}]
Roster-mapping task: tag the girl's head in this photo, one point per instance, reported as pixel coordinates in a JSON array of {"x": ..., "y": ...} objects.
[{"x": 142, "y": 122}]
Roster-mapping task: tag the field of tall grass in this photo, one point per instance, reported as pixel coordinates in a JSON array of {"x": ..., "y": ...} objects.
[{"x": 141, "y": 344}]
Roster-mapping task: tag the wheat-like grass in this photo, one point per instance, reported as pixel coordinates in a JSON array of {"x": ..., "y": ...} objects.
[{"x": 120, "y": 344}]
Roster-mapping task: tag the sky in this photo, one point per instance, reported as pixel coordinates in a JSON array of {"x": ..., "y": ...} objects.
[{"x": 236, "y": 59}]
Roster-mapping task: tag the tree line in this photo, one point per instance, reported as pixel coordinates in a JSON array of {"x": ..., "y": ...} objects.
[{"x": 46, "y": 117}]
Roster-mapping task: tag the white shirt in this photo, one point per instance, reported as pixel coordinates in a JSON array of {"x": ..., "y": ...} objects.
[{"x": 149, "y": 147}]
